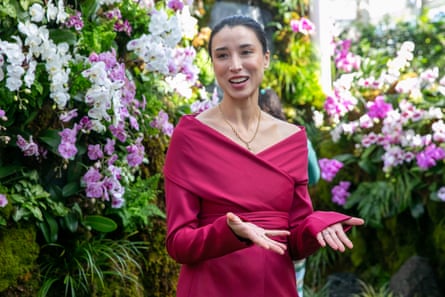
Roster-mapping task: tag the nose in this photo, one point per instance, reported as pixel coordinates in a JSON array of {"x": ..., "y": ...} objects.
[{"x": 236, "y": 64}]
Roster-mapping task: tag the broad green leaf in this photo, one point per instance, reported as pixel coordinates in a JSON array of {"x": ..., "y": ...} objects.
[
  {"x": 71, "y": 221},
  {"x": 70, "y": 189},
  {"x": 51, "y": 137},
  {"x": 9, "y": 170},
  {"x": 61, "y": 35},
  {"x": 89, "y": 8},
  {"x": 37, "y": 213},
  {"x": 49, "y": 228},
  {"x": 8, "y": 9},
  {"x": 100, "y": 223}
]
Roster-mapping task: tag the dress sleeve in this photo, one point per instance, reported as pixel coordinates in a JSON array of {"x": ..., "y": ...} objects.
[
  {"x": 188, "y": 242},
  {"x": 305, "y": 223}
]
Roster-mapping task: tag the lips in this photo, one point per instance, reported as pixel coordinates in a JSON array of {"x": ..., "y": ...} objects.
[{"x": 238, "y": 80}]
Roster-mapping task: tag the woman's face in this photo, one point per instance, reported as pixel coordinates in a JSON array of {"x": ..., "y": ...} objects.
[{"x": 238, "y": 61}]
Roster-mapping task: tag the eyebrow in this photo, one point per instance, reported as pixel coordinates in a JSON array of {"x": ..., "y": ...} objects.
[{"x": 242, "y": 46}]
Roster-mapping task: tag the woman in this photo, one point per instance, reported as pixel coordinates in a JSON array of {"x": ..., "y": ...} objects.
[{"x": 238, "y": 209}]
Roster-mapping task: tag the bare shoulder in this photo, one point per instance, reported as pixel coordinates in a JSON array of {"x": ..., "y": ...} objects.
[
  {"x": 209, "y": 117},
  {"x": 280, "y": 127}
]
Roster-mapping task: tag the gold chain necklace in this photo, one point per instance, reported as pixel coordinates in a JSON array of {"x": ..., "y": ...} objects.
[{"x": 246, "y": 142}]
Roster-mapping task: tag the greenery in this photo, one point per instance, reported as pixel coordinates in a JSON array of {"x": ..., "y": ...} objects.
[
  {"x": 20, "y": 266},
  {"x": 87, "y": 266},
  {"x": 294, "y": 70},
  {"x": 369, "y": 291}
]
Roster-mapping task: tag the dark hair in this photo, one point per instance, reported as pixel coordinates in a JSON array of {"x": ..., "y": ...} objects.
[
  {"x": 240, "y": 20},
  {"x": 269, "y": 101}
]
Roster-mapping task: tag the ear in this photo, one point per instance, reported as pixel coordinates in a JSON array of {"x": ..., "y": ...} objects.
[{"x": 266, "y": 59}]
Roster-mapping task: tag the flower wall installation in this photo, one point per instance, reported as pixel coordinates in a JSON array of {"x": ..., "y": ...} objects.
[
  {"x": 83, "y": 85},
  {"x": 387, "y": 123}
]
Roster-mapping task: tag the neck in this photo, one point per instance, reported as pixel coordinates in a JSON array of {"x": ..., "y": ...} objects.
[
  {"x": 241, "y": 135},
  {"x": 244, "y": 117}
]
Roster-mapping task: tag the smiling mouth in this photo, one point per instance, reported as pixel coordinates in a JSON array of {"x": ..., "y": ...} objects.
[{"x": 238, "y": 80}]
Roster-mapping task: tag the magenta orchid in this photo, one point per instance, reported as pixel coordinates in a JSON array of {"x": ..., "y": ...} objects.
[{"x": 303, "y": 26}]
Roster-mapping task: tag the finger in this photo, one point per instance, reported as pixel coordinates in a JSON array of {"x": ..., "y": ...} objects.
[
  {"x": 354, "y": 221},
  {"x": 332, "y": 239},
  {"x": 345, "y": 239},
  {"x": 270, "y": 244},
  {"x": 277, "y": 247},
  {"x": 262, "y": 242},
  {"x": 277, "y": 233},
  {"x": 338, "y": 243},
  {"x": 329, "y": 240},
  {"x": 334, "y": 233},
  {"x": 232, "y": 219},
  {"x": 320, "y": 239}
]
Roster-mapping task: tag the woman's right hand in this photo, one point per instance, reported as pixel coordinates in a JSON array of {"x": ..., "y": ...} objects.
[{"x": 256, "y": 234}]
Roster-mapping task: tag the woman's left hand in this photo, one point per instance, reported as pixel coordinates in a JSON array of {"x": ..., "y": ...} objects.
[{"x": 335, "y": 236}]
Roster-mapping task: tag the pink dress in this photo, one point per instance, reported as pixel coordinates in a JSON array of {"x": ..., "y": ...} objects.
[{"x": 208, "y": 175}]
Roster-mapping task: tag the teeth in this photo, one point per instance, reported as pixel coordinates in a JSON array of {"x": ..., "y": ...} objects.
[{"x": 238, "y": 80}]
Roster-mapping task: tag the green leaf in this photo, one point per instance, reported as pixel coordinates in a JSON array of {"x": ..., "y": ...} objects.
[
  {"x": 19, "y": 214},
  {"x": 89, "y": 8},
  {"x": 373, "y": 201},
  {"x": 345, "y": 158},
  {"x": 31, "y": 116},
  {"x": 36, "y": 212},
  {"x": 49, "y": 228},
  {"x": 70, "y": 189},
  {"x": 51, "y": 137},
  {"x": 61, "y": 35},
  {"x": 100, "y": 223},
  {"x": 9, "y": 170},
  {"x": 46, "y": 286},
  {"x": 71, "y": 221},
  {"x": 7, "y": 9}
]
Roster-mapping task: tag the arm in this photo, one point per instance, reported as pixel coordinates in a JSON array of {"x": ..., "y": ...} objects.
[{"x": 188, "y": 242}]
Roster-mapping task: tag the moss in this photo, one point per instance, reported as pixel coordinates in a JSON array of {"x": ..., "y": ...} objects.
[
  {"x": 359, "y": 252},
  {"x": 19, "y": 252},
  {"x": 161, "y": 271},
  {"x": 115, "y": 288},
  {"x": 397, "y": 241},
  {"x": 438, "y": 242},
  {"x": 6, "y": 211},
  {"x": 436, "y": 211}
]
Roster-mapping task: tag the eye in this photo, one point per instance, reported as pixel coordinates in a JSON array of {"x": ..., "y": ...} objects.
[
  {"x": 246, "y": 52},
  {"x": 221, "y": 55}
]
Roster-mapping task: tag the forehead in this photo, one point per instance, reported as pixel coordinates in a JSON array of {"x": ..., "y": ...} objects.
[{"x": 235, "y": 36}]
